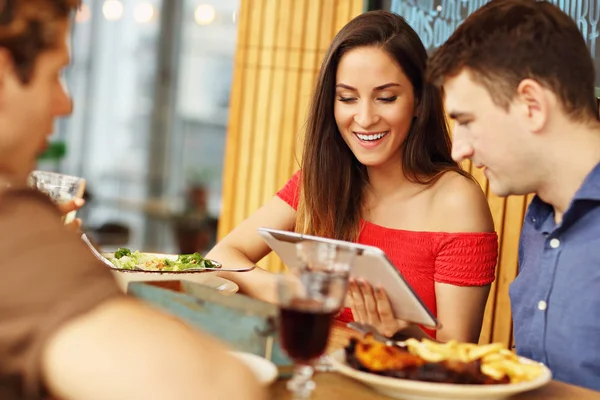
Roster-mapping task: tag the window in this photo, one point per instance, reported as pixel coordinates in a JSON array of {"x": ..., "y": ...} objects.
[{"x": 151, "y": 81}]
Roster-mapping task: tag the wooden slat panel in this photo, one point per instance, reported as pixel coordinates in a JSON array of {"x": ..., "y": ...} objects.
[
  {"x": 257, "y": 165},
  {"x": 226, "y": 221},
  {"x": 508, "y": 268},
  {"x": 307, "y": 72},
  {"x": 292, "y": 129},
  {"x": 312, "y": 58},
  {"x": 248, "y": 116},
  {"x": 280, "y": 92},
  {"x": 489, "y": 312},
  {"x": 279, "y": 50},
  {"x": 356, "y": 8},
  {"x": 327, "y": 30},
  {"x": 312, "y": 34},
  {"x": 497, "y": 207},
  {"x": 480, "y": 177},
  {"x": 343, "y": 13}
]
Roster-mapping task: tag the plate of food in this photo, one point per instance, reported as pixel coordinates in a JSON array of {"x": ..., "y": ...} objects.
[
  {"x": 423, "y": 370},
  {"x": 128, "y": 266},
  {"x": 125, "y": 260},
  {"x": 211, "y": 280}
]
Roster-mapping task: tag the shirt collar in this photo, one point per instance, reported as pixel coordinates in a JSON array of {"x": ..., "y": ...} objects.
[
  {"x": 590, "y": 189},
  {"x": 541, "y": 214}
]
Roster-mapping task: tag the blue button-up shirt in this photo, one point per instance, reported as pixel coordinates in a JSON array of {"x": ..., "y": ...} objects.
[{"x": 555, "y": 298}]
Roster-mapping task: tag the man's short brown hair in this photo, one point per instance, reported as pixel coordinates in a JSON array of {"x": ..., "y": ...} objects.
[
  {"x": 28, "y": 27},
  {"x": 506, "y": 41}
]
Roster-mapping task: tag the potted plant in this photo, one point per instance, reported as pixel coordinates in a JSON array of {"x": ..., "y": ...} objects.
[{"x": 194, "y": 228}]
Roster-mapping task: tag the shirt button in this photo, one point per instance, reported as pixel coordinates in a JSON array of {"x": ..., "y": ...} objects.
[
  {"x": 554, "y": 243},
  {"x": 542, "y": 305}
]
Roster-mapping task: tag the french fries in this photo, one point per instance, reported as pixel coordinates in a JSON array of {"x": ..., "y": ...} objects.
[{"x": 496, "y": 361}]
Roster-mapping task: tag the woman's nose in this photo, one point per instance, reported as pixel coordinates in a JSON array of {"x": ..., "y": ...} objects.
[{"x": 366, "y": 116}]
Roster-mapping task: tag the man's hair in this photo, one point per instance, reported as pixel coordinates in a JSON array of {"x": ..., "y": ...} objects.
[
  {"x": 506, "y": 41},
  {"x": 28, "y": 27}
]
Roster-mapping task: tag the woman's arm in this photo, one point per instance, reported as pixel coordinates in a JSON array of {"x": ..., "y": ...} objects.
[
  {"x": 460, "y": 206},
  {"x": 244, "y": 247},
  {"x": 460, "y": 311}
]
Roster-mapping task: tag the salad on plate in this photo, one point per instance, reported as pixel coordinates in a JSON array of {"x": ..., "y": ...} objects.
[{"x": 124, "y": 259}]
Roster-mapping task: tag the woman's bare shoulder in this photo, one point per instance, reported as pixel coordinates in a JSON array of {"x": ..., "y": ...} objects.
[{"x": 459, "y": 205}]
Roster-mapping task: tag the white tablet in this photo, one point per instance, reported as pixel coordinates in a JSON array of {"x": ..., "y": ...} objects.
[{"x": 370, "y": 264}]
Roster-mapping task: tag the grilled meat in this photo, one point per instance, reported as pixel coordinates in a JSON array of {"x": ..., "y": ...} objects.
[{"x": 392, "y": 361}]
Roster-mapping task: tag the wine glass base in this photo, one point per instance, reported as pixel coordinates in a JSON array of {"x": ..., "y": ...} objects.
[
  {"x": 324, "y": 364},
  {"x": 301, "y": 385}
]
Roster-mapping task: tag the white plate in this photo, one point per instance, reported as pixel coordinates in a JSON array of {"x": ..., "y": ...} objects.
[
  {"x": 265, "y": 371},
  {"x": 208, "y": 279},
  {"x": 417, "y": 390},
  {"x": 173, "y": 257}
]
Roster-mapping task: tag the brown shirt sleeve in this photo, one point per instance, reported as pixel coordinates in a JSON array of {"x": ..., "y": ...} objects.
[{"x": 47, "y": 276}]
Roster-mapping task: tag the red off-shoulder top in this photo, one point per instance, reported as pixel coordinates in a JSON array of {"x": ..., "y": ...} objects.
[{"x": 423, "y": 258}]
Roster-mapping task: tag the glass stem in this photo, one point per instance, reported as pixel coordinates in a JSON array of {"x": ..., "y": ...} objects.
[{"x": 301, "y": 385}]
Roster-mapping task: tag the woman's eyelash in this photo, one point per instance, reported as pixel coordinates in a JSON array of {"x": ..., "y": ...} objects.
[{"x": 384, "y": 99}]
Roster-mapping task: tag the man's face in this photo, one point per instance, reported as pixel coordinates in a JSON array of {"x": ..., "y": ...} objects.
[
  {"x": 491, "y": 137},
  {"x": 28, "y": 111}
]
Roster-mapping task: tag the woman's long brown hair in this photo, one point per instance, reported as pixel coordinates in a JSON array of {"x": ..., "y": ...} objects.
[{"x": 333, "y": 181}]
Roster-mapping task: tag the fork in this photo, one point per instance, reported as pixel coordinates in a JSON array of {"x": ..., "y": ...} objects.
[{"x": 100, "y": 257}]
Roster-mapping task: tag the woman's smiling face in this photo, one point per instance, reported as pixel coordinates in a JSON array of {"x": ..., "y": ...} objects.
[{"x": 374, "y": 105}]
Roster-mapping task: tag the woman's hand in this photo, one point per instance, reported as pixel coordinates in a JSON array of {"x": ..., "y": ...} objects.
[
  {"x": 68, "y": 206},
  {"x": 371, "y": 306}
]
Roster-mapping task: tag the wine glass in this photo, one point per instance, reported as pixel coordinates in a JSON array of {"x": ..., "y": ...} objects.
[
  {"x": 309, "y": 297},
  {"x": 59, "y": 187}
]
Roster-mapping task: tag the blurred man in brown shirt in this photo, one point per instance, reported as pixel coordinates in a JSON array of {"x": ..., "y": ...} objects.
[{"x": 65, "y": 330}]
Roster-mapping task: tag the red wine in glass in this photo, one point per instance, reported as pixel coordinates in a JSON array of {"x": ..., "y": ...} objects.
[
  {"x": 305, "y": 330},
  {"x": 309, "y": 296}
]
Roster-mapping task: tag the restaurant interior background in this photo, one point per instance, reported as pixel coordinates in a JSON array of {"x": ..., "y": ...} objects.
[
  {"x": 188, "y": 116},
  {"x": 151, "y": 82}
]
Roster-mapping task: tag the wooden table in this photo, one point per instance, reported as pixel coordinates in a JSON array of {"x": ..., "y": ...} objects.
[{"x": 331, "y": 385}]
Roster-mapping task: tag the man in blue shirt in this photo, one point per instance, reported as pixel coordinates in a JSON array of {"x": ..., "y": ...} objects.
[{"x": 519, "y": 83}]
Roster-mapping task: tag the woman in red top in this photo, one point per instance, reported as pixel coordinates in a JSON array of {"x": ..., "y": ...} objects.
[{"x": 377, "y": 169}]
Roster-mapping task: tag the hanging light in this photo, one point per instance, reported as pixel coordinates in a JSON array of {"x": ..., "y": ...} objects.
[
  {"x": 204, "y": 14},
  {"x": 112, "y": 10},
  {"x": 144, "y": 13}
]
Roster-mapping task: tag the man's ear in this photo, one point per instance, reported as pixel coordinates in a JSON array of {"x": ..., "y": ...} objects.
[{"x": 533, "y": 101}]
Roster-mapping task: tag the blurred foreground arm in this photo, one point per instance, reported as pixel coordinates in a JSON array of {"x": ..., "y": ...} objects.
[
  {"x": 126, "y": 350},
  {"x": 66, "y": 329}
]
